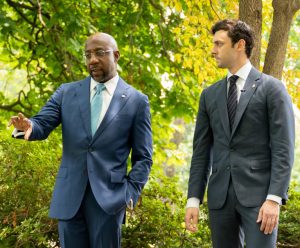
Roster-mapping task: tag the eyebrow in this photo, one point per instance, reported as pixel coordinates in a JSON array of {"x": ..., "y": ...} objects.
[{"x": 96, "y": 49}]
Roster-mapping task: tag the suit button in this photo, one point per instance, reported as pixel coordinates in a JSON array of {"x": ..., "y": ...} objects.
[
  {"x": 228, "y": 167},
  {"x": 90, "y": 149}
]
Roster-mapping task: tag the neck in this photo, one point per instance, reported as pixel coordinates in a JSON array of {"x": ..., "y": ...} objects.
[
  {"x": 234, "y": 68},
  {"x": 104, "y": 80}
]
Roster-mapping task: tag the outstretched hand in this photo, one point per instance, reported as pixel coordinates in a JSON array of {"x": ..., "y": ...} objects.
[{"x": 21, "y": 123}]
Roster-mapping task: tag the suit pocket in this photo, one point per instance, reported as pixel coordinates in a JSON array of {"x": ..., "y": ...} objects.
[
  {"x": 117, "y": 177},
  {"x": 258, "y": 165},
  {"x": 256, "y": 104},
  {"x": 62, "y": 173}
]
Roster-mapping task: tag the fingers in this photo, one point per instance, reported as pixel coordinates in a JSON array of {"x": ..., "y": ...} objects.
[
  {"x": 27, "y": 133},
  {"x": 259, "y": 218},
  {"x": 12, "y": 120},
  {"x": 270, "y": 225},
  {"x": 21, "y": 116},
  {"x": 268, "y": 216},
  {"x": 20, "y": 122},
  {"x": 191, "y": 219}
]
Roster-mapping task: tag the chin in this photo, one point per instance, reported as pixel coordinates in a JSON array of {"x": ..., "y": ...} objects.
[
  {"x": 221, "y": 66},
  {"x": 97, "y": 77}
]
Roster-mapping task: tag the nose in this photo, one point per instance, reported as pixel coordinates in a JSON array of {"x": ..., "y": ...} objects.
[
  {"x": 213, "y": 51},
  {"x": 93, "y": 59}
]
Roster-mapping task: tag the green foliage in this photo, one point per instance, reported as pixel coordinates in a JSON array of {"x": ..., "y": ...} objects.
[
  {"x": 158, "y": 220},
  {"x": 47, "y": 42},
  {"x": 165, "y": 47},
  {"x": 27, "y": 174},
  {"x": 289, "y": 227}
]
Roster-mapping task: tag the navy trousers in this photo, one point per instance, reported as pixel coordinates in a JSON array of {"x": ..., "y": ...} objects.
[{"x": 91, "y": 227}]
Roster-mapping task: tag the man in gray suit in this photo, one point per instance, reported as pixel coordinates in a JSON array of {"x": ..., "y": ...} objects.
[{"x": 244, "y": 145}]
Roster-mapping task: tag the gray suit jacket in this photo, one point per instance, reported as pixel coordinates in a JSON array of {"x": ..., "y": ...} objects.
[{"x": 258, "y": 154}]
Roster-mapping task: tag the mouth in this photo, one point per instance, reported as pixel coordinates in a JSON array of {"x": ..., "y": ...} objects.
[{"x": 93, "y": 69}]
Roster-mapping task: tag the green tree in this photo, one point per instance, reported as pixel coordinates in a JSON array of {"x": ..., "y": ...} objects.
[{"x": 164, "y": 47}]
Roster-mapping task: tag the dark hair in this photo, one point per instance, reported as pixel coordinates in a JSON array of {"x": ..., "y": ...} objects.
[{"x": 237, "y": 30}]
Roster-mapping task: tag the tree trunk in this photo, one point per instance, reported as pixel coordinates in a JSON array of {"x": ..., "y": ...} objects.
[
  {"x": 250, "y": 11},
  {"x": 284, "y": 11}
]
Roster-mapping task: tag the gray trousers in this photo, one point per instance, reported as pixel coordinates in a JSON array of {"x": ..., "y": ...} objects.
[{"x": 233, "y": 225}]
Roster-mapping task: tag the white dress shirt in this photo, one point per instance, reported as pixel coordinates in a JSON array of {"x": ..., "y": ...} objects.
[
  {"x": 107, "y": 94},
  {"x": 242, "y": 73}
]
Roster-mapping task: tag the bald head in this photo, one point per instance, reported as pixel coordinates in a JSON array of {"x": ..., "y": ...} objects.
[
  {"x": 102, "y": 56},
  {"x": 104, "y": 37}
]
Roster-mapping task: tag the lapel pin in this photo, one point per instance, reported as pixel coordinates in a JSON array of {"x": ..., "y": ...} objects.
[{"x": 253, "y": 85}]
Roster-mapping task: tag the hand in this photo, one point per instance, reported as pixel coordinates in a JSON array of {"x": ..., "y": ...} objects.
[
  {"x": 191, "y": 219},
  {"x": 21, "y": 123},
  {"x": 268, "y": 216}
]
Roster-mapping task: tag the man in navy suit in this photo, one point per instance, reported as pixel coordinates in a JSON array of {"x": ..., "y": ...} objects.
[
  {"x": 243, "y": 147},
  {"x": 93, "y": 186}
]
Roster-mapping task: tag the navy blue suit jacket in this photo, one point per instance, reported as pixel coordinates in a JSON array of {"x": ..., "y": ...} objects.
[{"x": 101, "y": 159}]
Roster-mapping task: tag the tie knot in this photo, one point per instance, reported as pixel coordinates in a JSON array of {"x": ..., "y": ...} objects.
[
  {"x": 233, "y": 79},
  {"x": 99, "y": 87}
]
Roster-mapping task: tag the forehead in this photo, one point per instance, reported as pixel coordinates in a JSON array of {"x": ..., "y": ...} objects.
[
  {"x": 221, "y": 35},
  {"x": 97, "y": 42}
]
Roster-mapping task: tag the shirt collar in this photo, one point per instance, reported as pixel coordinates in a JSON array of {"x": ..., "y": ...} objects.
[
  {"x": 243, "y": 72},
  {"x": 110, "y": 85}
]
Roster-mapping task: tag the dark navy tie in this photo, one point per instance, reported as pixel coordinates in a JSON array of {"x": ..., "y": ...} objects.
[{"x": 232, "y": 100}]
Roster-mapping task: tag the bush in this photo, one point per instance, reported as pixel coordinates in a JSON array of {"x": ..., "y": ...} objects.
[
  {"x": 27, "y": 174},
  {"x": 158, "y": 220},
  {"x": 289, "y": 227}
]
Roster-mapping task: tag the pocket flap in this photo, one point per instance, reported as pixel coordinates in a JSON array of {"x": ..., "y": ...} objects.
[{"x": 260, "y": 164}]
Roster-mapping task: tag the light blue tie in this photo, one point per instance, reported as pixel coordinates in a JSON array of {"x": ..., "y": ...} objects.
[{"x": 96, "y": 106}]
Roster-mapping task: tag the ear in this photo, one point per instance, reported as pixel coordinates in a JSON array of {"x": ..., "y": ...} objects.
[
  {"x": 241, "y": 45},
  {"x": 116, "y": 56}
]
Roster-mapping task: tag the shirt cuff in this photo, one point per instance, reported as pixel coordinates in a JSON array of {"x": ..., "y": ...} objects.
[
  {"x": 193, "y": 202},
  {"x": 275, "y": 198},
  {"x": 17, "y": 133}
]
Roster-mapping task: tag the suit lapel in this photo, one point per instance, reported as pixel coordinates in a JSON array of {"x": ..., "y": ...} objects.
[
  {"x": 222, "y": 106},
  {"x": 118, "y": 101},
  {"x": 83, "y": 95},
  {"x": 250, "y": 87}
]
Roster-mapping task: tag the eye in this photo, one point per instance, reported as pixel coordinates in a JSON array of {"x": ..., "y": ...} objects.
[
  {"x": 99, "y": 53},
  {"x": 88, "y": 55}
]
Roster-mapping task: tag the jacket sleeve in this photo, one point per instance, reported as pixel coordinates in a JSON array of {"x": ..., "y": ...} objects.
[
  {"x": 141, "y": 156},
  {"x": 202, "y": 144},
  {"x": 48, "y": 118},
  {"x": 282, "y": 137}
]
